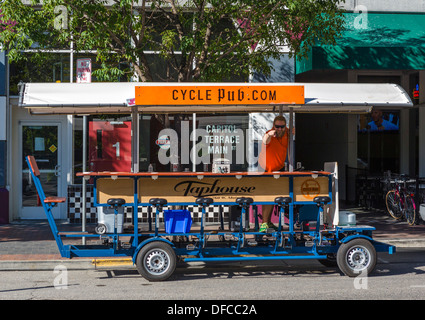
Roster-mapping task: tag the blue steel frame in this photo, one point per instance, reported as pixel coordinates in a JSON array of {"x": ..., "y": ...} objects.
[{"x": 281, "y": 250}]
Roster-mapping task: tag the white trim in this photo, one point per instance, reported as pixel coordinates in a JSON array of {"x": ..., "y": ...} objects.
[
  {"x": 102, "y": 97},
  {"x": 3, "y": 117}
]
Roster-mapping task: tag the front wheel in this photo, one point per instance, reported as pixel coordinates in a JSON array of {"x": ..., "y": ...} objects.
[
  {"x": 392, "y": 201},
  {"x": 156, "y": 261},
  {"x": 356, "y": 257}
]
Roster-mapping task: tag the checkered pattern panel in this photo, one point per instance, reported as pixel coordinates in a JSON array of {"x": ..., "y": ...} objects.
[
  {"x": 75, "y": 204},
  {"x": 75, "y": 208}
]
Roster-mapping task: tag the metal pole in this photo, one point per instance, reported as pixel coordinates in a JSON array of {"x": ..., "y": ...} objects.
[
  {"x": 291, "y": 156},
  {"x": 84, "y": 182},
  {"x": 135, "y": 138},
  {"x": 194, "y": 142}
]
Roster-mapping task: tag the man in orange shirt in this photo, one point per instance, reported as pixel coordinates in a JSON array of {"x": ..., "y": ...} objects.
[{"x": 272, "y": 158}]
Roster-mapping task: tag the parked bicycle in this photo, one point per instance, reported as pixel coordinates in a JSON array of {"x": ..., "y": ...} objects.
[{"x": 400, "y": 201}]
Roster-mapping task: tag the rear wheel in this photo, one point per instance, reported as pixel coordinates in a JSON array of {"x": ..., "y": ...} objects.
[
  {"x": 410, "y": 210},
  {"x": 356, "y": 257},
  {"x": 392, "y": 200},
  {"x": 156, "y": 261},
  {"x": 330, "y": 261}
]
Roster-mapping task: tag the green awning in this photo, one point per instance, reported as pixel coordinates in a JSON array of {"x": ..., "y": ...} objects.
[{"x": 373, "y": 41}]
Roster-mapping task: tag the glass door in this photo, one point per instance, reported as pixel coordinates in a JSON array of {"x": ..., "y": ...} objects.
[{"x": 41, "y": 141}]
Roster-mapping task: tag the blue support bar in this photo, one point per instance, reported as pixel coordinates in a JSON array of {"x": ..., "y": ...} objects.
[
  {"x": 253, "y": 258},
  {"x": 135, "y": 215},
  {"x": 47, "y": 209}
]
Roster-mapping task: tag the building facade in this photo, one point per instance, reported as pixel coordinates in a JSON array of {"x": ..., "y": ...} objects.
[{"x": 373, "y": 49}]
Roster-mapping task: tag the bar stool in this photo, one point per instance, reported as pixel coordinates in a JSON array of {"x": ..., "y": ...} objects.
[
  {"x": 158, "y": 203},
  {"x": 321, "y": 201},
  {"x": 283, "y": 204},
  {"x": 244, "y": 203},
  {"x": 204, "y": 202},
  {"x": 115, "y": 203}
]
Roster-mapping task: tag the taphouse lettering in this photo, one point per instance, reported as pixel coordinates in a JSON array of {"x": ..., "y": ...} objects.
[{"x": 200, "y": 189}]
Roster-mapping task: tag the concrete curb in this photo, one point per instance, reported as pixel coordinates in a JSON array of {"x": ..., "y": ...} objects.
[{"x": 35, "y": 265}]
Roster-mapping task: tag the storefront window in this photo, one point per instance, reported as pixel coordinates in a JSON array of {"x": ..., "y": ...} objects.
[
  {"x": 218, "y": 137},
  {"x": 49, "y": 68},
  {"x": 223, "y": 137},
  {"x": 108, "y": 145},
  {"x": 282, "y": 70},
  {"x": 157, "y": 134},
  {"x": 378, "y": 148},
  {"x": 379, "y": 141}
]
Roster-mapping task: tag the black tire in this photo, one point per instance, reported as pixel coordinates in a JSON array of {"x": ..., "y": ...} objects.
[
  {"x": 410, "y": 210},
  {"x": 330, "y": 262},
  {"x": 100, "y": 228},
  {"x": 392, "y": 200},
  {"x": 156, "y": 261},
  {"x": 356, "y": 257}
]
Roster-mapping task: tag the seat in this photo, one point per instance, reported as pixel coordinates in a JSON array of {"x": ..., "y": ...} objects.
[
  {"x": 283, "y": 200},
  {"x": 204, "y": 201},
  {"x": 116, "y": 202},
  {"x": 54, "y": 199},
  {"x": 322, "y": 199},
  {"x": 158, "y": 201},
  {"x": 244, "y": 201}
]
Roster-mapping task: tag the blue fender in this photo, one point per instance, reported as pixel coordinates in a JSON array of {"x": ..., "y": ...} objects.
[
  {"x": 379, "y": 246},
  {"x": 356, "y": 236},
  {"x": 136, "y": 252}
]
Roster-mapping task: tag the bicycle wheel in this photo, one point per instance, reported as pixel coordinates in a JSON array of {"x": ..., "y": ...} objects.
[
  {"x": 410, "y": 210},
  {"x": 392, "y": 200}
]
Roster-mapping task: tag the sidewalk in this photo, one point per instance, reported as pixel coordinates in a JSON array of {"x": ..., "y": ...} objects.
[{"x": 32, "y": 243}]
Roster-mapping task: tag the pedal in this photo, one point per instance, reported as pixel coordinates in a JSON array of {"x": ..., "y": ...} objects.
[
  {"x": 252, "y": 243},
  {"x": 190, "y": 247},
  {"x": 309, "y": 243},
  {"x": 125, "y": 245},
  {"x": 229, "y": 237}
]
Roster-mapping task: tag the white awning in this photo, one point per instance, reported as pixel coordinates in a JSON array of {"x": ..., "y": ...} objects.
[{"x": 102, "y": 97}]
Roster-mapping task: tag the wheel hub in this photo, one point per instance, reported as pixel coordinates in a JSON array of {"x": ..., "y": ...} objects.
[
  {"x": 157, "y": 262},
  {"x": 358, "y": 258}
]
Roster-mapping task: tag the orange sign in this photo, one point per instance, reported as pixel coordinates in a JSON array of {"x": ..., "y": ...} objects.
[
  {"x": 219, "y": 95},
  {"x": 310, "y": 188}
]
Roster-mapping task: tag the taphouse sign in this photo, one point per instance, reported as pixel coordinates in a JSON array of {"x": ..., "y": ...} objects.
[
  {"x": 222, "y": 188},
  {"x": 219, "y": 94}
]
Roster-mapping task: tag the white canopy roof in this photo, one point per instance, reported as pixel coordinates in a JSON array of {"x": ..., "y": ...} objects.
[{"x": 102, "y": 97}]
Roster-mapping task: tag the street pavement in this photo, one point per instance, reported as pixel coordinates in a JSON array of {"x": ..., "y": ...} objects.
[{"x": 29, "y": 245}]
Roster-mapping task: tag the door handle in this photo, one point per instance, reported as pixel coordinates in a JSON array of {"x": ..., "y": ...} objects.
[
  {"x": 117, "y": 149},
  {"x": 57, "y": 170}
]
